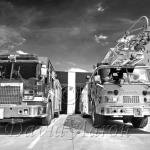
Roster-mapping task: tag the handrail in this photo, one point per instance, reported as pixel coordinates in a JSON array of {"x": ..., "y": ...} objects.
[{"x": 126, "y": 50}]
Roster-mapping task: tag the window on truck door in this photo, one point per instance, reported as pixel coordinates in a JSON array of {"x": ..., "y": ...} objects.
[
  {"x": 139, "y": 74},
  {"x": 97, "y": 78},
  {"x": 104, "y": 74},
  {"x": 92, "y": 81}
]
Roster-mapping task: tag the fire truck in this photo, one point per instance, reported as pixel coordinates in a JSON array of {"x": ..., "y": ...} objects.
[
  {"x": 29, "y": 88},
  {"x": 119, "y": 88}
]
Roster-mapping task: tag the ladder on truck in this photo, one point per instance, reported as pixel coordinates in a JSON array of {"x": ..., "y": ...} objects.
[{"x": 130, "y": 48}]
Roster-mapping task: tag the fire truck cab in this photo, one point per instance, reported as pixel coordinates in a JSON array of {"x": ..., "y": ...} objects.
[
  {"x": 120, "y": 93},
  {"x": 28, "y": 89}
]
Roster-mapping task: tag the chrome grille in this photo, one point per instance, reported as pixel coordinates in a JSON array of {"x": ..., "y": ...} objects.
[
  {"x": 10, "y": 95},
  {"x": 130, "y": 99}
]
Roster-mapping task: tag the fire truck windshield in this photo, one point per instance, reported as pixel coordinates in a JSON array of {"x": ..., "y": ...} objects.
[
  {"x": 139, "y": 75},
  {"x": 132, "y": 75},
  {"x": 24, "y": 70}
]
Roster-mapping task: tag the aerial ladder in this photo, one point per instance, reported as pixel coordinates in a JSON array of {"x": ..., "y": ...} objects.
[
  {"x": 133, "y": 47},
  {"x": 119, "y": 87}
]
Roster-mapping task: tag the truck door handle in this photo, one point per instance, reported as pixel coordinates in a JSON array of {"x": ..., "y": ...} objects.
[{"x": 99, "y": 85}]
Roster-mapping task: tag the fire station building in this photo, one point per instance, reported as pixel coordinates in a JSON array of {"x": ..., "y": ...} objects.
[{"x": 72, "y": 84}]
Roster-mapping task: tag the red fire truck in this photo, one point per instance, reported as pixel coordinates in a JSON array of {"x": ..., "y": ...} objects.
[{"x": 28, "y": 88}]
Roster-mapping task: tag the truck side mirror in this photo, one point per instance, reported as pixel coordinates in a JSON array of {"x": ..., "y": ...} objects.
[
  {"x": 87, "y": 77},
  {"x": 97, "y": 78},
  {"x": 43, "y": 70}
]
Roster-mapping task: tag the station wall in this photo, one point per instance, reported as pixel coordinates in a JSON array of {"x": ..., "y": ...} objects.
[{"x": 72, "y": 84}]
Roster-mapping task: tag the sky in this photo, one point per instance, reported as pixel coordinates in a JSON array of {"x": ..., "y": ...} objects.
[{"x": 73, "y": 33}]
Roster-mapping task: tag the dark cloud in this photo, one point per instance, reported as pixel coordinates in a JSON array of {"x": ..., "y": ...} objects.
[
  {"x": 65, "y": 29},
  {"x": 9, "y": 37}
]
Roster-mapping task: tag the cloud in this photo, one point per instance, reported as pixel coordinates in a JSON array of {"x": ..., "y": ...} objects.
[
  {"x": 77, "y": 70},
  {"x": 125, "y": 20},
  {"x": 9, "y": 36},
  {"x": 100, "y": 7},
  {"x": 94, "y": 9},
  {"x": 21, "y": 52},
  {"x": 101, "y": 37},
  {"x": 71, "y": 63},
  {"x": 65, "y": 29}
]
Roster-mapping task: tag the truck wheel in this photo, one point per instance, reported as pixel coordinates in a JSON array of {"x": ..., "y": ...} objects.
[
  {"x": 56, "y": 114},
  {"x": 84, "y": 115},
  {"x": 97, "y": 120},
  {"x": 139, "y": 122},
  {"x": 48, "y": 118}
]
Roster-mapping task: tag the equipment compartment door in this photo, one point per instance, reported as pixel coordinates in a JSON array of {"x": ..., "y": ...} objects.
[
  {"x": 138, "y": 112},
  {"x": 1, "y": 113}
]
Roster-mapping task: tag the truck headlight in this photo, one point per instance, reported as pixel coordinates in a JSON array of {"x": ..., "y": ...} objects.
[
  {"x": 116, "y": 92},
  {"x": 115, "y": 99},
  {"x": 145, "y": 99},
  {"x": 28, "y": 97},
  {"x": 110, "y": 99},
  {"x": 145, "y": 93}
]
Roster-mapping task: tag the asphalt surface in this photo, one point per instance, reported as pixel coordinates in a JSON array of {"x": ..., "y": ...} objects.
[{"x": 73, "y": 133}]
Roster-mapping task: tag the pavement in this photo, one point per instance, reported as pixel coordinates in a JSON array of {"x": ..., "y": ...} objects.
[{"x": 72, "y": 132}]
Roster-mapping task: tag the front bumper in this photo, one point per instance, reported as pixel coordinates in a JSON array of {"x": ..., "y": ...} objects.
[
  {"x": 138, "y": 111},
  {"x": 19, "y": 111}
]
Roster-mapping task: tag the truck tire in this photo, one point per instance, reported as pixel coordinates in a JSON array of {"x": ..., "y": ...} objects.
[
  {"x": 84, "y": 115},
  {"x": 139, "y": 122},
  {"x": 97, "y": 120},
  {"x": 47, "y": 120},
  {"x": 56, "y": 114}
]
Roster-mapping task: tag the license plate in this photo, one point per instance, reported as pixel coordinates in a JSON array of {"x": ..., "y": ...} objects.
[
  {"x": 1, "y": 113},
  {"x": 138, "y": 112}
]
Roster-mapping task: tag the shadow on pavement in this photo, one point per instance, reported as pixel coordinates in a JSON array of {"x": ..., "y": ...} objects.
[
  {"x": 19, "y": 128},
  {"x": 76, "y": 122}
]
